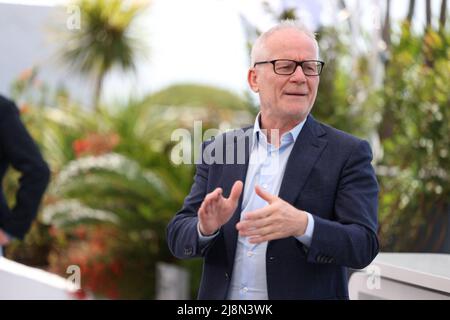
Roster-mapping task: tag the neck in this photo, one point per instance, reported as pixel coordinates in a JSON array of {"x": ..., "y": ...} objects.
[{"x": 275, "y": 127}]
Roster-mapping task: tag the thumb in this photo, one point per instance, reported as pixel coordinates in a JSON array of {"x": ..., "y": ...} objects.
[
  {"x": 265, "y": 195},
  {"x": 236, "y": 191}
]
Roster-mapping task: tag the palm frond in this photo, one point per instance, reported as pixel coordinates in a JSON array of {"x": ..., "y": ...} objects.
[{"x": 67, "y": 213}]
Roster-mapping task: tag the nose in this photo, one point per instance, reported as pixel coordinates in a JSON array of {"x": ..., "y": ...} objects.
[{"x": 298, "y": 75}]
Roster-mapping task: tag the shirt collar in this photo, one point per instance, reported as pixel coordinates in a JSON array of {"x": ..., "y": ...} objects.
[{"x": 290, "y": 136}]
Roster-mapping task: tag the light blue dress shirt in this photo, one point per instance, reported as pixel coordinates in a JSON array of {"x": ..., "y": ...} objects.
[{"x": 266, "y": 169}]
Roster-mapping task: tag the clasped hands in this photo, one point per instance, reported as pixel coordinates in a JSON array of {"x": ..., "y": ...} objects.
[{"x": 277, "y": 220}]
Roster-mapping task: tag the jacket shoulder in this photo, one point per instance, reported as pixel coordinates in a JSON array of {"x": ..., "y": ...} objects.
[
  {"x": 7, "y": 107},
  {"x": 336, "y": 135},
  {"x": 340, "y": 142}
]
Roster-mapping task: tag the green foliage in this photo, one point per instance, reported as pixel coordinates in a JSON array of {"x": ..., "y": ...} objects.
[
  {"x": 344, "y": 99},
  {"x": 104, "y": 39},
  {"x": 416, "y": 197},
  {"x": 115, "y": 187},
  {"x": 198, "y": 96}
]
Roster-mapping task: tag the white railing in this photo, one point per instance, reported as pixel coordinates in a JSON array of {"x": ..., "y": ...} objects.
[
  {"x": 403, "y": 276},
  {"x": 18, "y": 282}
]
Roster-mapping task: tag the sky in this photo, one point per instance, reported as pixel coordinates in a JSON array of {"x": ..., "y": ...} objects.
[{"x": 203, "y": 41}]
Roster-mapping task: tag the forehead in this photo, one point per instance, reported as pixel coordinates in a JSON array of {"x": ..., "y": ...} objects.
[{"x": 290, "y": 44}]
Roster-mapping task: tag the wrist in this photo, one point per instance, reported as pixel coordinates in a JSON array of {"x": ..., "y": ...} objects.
[
  {"x": 204, "y": 232},
  {"x": 303, "y": 223}
]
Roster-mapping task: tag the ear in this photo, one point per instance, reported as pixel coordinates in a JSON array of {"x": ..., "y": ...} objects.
[{"x": 252, "y": 79}]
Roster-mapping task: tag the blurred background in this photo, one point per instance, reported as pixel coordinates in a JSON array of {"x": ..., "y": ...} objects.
[{"x": 101, "y": 86}]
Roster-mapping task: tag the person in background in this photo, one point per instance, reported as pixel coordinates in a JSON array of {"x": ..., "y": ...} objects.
[{"x": 17, "y": 149}]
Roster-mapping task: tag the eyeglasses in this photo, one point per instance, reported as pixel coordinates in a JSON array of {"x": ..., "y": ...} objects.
[{"x": 287, "y": 67}]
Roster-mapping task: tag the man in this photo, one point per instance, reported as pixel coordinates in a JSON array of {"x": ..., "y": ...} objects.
[
  {"x": 308, "y": 210},
  {"x": 18, "y": 150}
]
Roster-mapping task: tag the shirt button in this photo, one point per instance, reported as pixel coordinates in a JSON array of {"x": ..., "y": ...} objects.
[
  {"x": 249, "y": 254},
  {"x": 245, "y": 289},
  {"x": 265, "y": 185}
]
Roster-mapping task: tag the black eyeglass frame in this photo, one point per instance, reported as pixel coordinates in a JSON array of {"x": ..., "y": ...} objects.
[{"x": 298, "y": 63}]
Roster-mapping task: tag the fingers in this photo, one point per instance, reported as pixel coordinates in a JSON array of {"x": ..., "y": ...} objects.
[
  {"x": 236, "y": 191},
  {"x": 259, "y": 231},
  {"x": 216, "y": 193},
  {"x": 249, "y": 228},
  {"x": 212, "y": 197},
  {"x": 261, "y": 239},
  {"x": 213, "y": 201},
  {"x": 258, "y": 218},
  {"x": 265, "y": 195},
  {"x": 260, "y": 213}
]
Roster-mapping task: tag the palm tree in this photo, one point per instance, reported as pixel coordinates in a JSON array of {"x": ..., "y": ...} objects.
[
  {"x": 428, "y": 13},
  {"x": 387, "y": 24},
  {"x": 410, "y": 15},
  {"x": 104, "y": 40},
  {"x": 443, "y": 15}
]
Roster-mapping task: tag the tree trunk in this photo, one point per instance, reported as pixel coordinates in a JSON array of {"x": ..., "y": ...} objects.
[
  {"x": 428, "y": 28},
  {"x": 343, "y": 6},
  {"x": 386, "y": 127},
  {"x": 412, "y": 6},
  {"x": 443, "y": 15},
  {"x": 387, "y": 24},
  {"x": 98, "y": 89},
  {"x": 428, "y": 13}
]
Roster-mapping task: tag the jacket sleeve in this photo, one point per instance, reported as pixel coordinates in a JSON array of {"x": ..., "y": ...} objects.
[
  {"x": 18, "y": 149},
  {"x": 182, "y": 234},
  {"x": 351, "y": 238}
]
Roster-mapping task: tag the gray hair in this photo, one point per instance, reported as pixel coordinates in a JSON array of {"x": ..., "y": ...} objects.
[{"x": 260, "y": 42}]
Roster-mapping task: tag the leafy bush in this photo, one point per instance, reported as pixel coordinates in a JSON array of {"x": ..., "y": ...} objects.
[
  {"x": 115, "y": 187},
  {"x": 415, "y": 194}
]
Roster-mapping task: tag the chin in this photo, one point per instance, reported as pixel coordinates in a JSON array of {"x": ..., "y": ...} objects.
[{"x": 296, "y": 111}]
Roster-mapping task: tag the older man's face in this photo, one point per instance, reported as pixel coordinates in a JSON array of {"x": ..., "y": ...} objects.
[{"x": 285, "y": 97}]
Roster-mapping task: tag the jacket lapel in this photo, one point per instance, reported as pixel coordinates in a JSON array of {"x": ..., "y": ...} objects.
[{"x": 306, "y": 151}]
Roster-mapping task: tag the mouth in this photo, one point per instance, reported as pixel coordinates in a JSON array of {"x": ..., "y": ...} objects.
[{"x": 296, "y": 94}]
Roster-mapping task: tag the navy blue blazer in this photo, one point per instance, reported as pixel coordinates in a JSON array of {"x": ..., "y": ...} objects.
[
  {"x": 329, "y": 174},
  {"x": 18, "y": 149}
]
